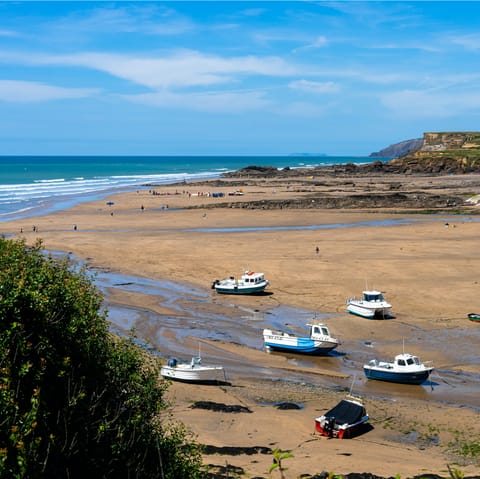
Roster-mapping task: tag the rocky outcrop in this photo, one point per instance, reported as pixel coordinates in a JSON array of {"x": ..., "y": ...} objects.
[
  {"x": 448, "y": 152},
  {"x": 398, "y": 149}
]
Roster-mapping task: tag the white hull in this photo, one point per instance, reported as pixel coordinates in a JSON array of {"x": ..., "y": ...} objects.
[
  {"x": 372, "y": 305},
  {"x": 363, "y": 308},
  {"x": 249, "y": 283},
  {"x": 314, "y": 344},
  {"x": 194, "y": 372}
]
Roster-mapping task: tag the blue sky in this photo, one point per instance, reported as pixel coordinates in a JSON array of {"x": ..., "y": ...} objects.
[{"x": 236, "y": 78}]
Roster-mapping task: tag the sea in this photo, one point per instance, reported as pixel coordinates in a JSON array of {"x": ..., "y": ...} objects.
[{"x": 34, "y": 185}]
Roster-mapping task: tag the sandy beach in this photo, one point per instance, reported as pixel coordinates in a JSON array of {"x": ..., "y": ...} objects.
[{"x": 427, "y": 266}]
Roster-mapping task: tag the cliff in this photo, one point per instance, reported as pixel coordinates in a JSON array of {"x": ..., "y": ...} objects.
[
  {"x": 447, "y": 152},
  {"x": 398, "y": 149}
]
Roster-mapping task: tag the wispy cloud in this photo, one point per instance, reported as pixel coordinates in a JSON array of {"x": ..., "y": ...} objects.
[
  {"x": 314, "y": 86},
  {"x": 469, "y": 42},
  {"x": 13, "y": 91},
  {"x": 147, "y": 18},
  {"x": 180, "y": 70}
]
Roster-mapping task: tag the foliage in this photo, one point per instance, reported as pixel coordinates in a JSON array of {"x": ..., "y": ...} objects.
[
  {"x": 74, "y": 398},
  {"x": 278, "y": 457}
]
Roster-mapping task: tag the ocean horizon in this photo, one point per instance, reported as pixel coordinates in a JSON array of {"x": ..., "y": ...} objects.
[{"x": 35, "y": 185}]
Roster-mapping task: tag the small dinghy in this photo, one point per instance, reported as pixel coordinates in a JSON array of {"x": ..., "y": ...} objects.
[{"x": 475, "y": 317}]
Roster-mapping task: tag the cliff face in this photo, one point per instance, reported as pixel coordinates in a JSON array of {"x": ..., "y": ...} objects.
[
  {"x": 448, "y": 152},
  {"x": 398, "y": 149}
]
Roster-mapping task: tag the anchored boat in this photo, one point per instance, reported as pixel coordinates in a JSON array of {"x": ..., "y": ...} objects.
[
  {"x": 193, "y": 372},
  {"x": 405, "y": 368},
  {"x": 371, "y": 305},
  {"x": 343, "y": 420},
  {"x": 249, "y": 283},
  {"x": 475, "y": 317},
  {"x": 318, "y": 342}
]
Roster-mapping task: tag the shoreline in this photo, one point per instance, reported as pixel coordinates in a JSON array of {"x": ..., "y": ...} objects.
[{"x": 415, "y": 263}]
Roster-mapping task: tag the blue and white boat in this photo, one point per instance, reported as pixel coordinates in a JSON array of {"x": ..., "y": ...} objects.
[
  {"x": 318, "y": 342},
  {"x": 405, "y": 368},
  {"x": 249, "y": 283},
  {"x": 371, "y": 305}
]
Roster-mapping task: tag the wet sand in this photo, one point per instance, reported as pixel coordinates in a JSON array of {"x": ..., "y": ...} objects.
[{"x": 162, "y": 260}]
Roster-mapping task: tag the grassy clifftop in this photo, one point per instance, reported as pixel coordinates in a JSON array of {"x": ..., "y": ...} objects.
[{"x": 456, "y": 152}]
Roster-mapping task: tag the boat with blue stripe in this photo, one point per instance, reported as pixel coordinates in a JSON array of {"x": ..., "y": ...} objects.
[{"x": 319, "y": 341}]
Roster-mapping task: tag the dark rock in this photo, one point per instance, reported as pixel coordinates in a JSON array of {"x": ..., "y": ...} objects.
[
  {"x": 236, "y": 450},
  {"x": 287, "y": 405},
  {"x": 219, "y": 407}
]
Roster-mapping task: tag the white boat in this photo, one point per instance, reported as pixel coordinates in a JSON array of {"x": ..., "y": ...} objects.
[
  {"x": 193, "y": 372},
  {"x": 371, "y": 305},
  {"x": 405, "y": 368},
  {"x": 249, "y": 283},
  {"x": 318, "y": 342}
]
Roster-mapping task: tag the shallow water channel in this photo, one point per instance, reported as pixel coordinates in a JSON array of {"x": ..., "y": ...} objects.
[{"x": 184, "y": 316}]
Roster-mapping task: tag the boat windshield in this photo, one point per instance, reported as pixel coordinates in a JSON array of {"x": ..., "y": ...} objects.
[{"x": 373, "y": 297}]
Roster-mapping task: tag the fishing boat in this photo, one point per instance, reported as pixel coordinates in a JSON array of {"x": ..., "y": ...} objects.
[
  {"x": 193, "y": 371},
  {"x": 405, "y": 368},
  {"x": 249, "y": 283},
  {"x": 475, "y": 317},
  {"x": 318, "y": 342},
  {"x": 371, "y": 305},
  {"x": 343, "y": 420}
]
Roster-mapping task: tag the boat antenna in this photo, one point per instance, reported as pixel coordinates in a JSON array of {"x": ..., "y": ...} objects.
[{"x": 351, "y": 387}]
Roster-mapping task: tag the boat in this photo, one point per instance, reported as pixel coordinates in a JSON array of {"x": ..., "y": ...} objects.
[
  {"x": 193, "y": 371},
  {"x": 318, "y": 342},
  {"x": 371, "y": 305},
  {"x": 249, "y": 283},
  {"x": 405, "y": 368},
  {"x": 343, "y": 420},
  {"x": 475, "y": 317}
]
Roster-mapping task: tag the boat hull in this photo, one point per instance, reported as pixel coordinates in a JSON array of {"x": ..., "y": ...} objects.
[
  {"x": 233, "y": 289},
  {"x": 417, "y": 377},
  {"x": 185, "y": 373},
  {"x": 343, "y": 421},
  {"x": 301, "y": 346},
  {"x": 474, "y": 317},
  {"x": 368, "y": 312}
]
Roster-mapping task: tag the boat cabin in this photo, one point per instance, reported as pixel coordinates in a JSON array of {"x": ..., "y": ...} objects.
[
  {"x": 252, "y": 278},
  {"x": 407, "y": 360},
  {"x": 373, "y": 296},
  {"x": 319, "y": 330}
]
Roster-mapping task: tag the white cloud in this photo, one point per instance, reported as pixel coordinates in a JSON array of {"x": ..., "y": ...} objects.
[
  {"x": 469, "y": 42},
  {"x": 184, "y": 69},
  {"x": 14, "y": 91},
  {"x": 314, "y": 87}
]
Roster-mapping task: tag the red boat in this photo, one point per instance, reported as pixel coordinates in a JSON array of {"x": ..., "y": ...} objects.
[{"x": 343, "y": 420}]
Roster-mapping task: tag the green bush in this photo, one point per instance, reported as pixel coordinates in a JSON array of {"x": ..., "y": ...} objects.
[{"x": 74, "y": 399}]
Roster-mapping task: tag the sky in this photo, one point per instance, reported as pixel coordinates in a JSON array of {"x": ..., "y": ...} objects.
[{"x": 234, "y": 77}]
